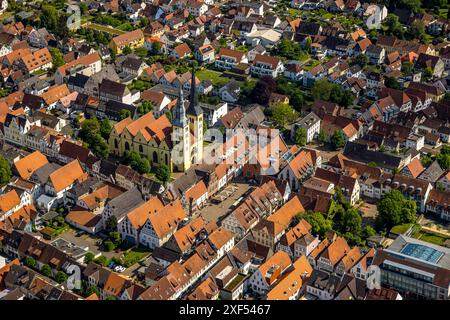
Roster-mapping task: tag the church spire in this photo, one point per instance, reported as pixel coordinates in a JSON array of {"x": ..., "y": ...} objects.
[
  {"x": 179, "y": 114},
  {"x": 193, "y": 109}
]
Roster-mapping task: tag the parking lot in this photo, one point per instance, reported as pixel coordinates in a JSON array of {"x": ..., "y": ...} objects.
[{"x": 217, "y": 211}]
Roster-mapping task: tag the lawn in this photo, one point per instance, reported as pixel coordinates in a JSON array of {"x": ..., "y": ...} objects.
[
  {"x": 215, "y": 77},
  {"x": 133, "y": 256},
  {"x": 430, "y": 237},
  {"x": 401, "y": 228},
  {"x": 310, "y": 64},
  {"x": 6, "y": 15},
  {"x": 99, "y": 27}
]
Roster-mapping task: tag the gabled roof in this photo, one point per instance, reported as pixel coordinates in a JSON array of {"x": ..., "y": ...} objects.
[
  {"x": 65, "y": 176},
  {"x": 9, "y": 201},
  {"x": 30, "y": 163}
]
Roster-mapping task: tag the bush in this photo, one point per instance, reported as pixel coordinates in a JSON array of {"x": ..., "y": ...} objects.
[
  {"x": 61, "y": 277},
  {"x": 109, "y": 246},
  {"x": 101, "y": 261},
  {"x": 89, "y": 257},
  {"x": 30, "y": 262}
]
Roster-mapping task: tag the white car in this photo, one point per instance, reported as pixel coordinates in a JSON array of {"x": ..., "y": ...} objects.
[{"x": 119, "y": 269}]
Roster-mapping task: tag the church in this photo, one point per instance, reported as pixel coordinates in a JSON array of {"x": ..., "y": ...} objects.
[{"x": 177, "y": 143}]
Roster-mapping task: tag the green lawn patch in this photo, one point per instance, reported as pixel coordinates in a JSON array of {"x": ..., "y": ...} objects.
[
  {"x": 311, "y": 64},
  {"x": 215, "y": 77},
  {"x": 133, "y": 256},
  {"x": 430, "y": 237},
  {"x": 235, "y": 282},
  {"x": 401, "y": 228},
  {"x": 99, "y": 27}
]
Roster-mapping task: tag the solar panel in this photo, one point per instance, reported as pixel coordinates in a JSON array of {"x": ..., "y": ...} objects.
[{"x": 422, "y": 252}]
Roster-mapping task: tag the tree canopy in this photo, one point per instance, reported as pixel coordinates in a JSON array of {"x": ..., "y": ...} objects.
[
  {"x": 300, "y": 137},
  {"x": 283, "y": 114},
  {"x": 338, "y": 140},
  {"x": 163, "y": 173},
  {"x": 5, "y": 171},
  {"x": 395, "y": 209},
  {"x": 91, "y": 134},
  {"x": 135, "y": 161}
]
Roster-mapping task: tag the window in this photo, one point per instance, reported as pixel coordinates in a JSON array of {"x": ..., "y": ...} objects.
[
  {"x": 155, "y": 157},
  {"x": 141, "y": 149},
  {"x": 127, "y": 146}
]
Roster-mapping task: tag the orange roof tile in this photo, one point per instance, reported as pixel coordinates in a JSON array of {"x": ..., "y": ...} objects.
[
  {"x": 30, "y": 163},
  {"x": 9, "y": 201},
  {"x": 289, "y": 285},
  {"x": 67, "y": 175},
  {"x": 55, "y": 93},
  {"x": 139, "y": 215}
]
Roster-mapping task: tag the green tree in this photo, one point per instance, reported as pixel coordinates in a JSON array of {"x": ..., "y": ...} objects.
[
  {"x": 126, "y": 50},
  {"x": 283, "y": 114},
  {"x": 413, "y": 5},
  {"x": 111, "y": 223},
  {"x": 321, "y": 137},
  {"x": 361, "y": 60},
  {"x": 427, "y": 74},
  {"x": 163, "y": 173},
  {"x": 319, "y": 224},
  {"x": 145, "y": 107},
  {"x": 395, "y": 209},
  {"x": 57, "y": 58},
  {"x": 144, "y": 22},
  {"x": 407, "y": 67},
  {"x": 83, "y": 8},
  {"x": 105, "y": 129},
  {"x": 156, "y": 47},
  {"x": 124, "y": 113},
  {"x": 368, "y": 232},
  {"x": 30, "y": 262},
  {"x": 443, "y": 160},
  {"x": 417, "y": 30},
  {"x": 109, "y": 246},
  {"x": 338, "y": 140},
  {"x": 426, "y": 160},
  {"x": 91, "y": 290},
  {"x": 135, "y": 161},
  {"x": 46, "y": 270},
  {"x": 101, "y": 261},
  {"x": 392, "y": 82},
  {"x": 115, "y": 238},
  {"x": 393, "y": 26},
  {"x": 111, "y": 298},
  {"x": 61, "y": 277},
  {"x": 321, "y": 89},
  {"x": 5, "y": 171},
  {"x": 89, "y": 257},
  {"x": 300, "y": 137},
  {"x": 49, "y": 17},
  {"x": 347, "y": 98},
  {"x": 91, "y": 134}
]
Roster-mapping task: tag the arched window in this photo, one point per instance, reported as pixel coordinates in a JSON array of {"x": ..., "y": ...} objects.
[
  {"x": 141, "y": 150},
  {"x": 116, "y": 144},
  {"x": 127, "y": 146},
  {"x": 167, "y": 159},
  {"x": 155, "y": 157}
]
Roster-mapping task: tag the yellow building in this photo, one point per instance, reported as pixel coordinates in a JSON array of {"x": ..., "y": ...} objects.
[
  {"x": 178, "y": 144},
  {"x": 134, "y": 39}
]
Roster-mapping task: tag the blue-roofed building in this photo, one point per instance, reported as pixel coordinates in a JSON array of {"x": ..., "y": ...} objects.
[{"x": 416, "y": 269}]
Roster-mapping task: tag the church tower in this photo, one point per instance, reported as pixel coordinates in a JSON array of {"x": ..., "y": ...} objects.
[
  {"x": 195, "y": 116},
  {"x": 181, "y": 159}
]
